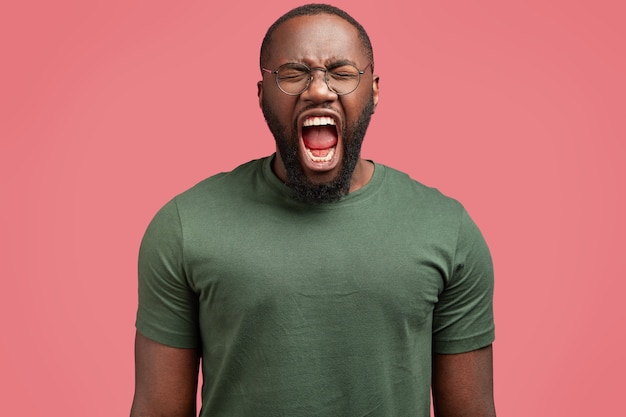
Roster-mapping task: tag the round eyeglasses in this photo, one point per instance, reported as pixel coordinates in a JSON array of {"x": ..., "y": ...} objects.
[{"x": 294, "y": 78}]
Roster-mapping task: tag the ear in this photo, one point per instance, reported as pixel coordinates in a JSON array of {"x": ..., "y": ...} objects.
[
  {"x": 259, "y": 92},
  {"x": 375, "y": 81}
]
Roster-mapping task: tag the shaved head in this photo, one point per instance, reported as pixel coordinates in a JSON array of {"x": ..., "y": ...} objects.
[{"x": 311, "y": 10}]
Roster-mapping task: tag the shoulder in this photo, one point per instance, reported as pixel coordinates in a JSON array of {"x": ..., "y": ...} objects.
[
  {"x": 222, "y": 189},
  {"x": 218, "y": 193},
  {"x": 241, "y": 176},
  {"x": 410, "y": 193}
]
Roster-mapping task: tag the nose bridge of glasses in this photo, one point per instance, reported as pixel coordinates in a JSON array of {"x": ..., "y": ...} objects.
[
  {"x": 323, "y": 70},
  {"x": 325, "y": 78}
]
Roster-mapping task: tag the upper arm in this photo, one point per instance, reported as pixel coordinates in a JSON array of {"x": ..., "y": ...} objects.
[
  {"x": 166, "y": 380},
  {"x": 463, "y": 316},
  {"x": 168, "y": 305},
  {"x": 167, "y": 339},
  {"x": 463, "y": 384}
]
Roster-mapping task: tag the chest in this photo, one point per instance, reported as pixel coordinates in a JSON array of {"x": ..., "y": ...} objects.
[{"x": 320, "y": 268}]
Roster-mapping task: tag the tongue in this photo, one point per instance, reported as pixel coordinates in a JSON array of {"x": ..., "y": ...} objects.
[{"x": 322, "y": 137}]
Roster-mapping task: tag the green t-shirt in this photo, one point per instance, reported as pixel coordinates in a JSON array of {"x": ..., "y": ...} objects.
[{"x": 315, "y": 310}]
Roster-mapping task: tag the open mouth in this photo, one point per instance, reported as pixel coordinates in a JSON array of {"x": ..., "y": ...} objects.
[{"x": 320, "y": 138}]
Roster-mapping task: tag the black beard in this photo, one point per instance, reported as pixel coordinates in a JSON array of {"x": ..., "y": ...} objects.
[{"x": 303, "y": 189}]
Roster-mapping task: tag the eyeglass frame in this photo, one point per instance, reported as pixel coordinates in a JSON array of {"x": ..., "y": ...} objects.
[{"x": 311, "y": 69}]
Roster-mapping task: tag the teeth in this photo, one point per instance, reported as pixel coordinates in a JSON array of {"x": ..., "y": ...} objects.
[
  {"x": 326, "y": 158},
  {"x": 319, "y": 121}
]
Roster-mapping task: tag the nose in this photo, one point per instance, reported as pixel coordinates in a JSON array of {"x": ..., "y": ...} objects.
[{"x": 318, "y": 90}]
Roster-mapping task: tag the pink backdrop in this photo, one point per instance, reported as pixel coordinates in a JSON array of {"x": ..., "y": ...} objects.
[{"x": 108, "y": 109}]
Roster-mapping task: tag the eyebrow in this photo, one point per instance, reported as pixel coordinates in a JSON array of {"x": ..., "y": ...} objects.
[
  {"x": 332, "y": 63},
  {"x": 341, "y": 62}
]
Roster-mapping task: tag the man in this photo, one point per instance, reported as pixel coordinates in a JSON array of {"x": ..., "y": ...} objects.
[{"x": 314, "y": 282}]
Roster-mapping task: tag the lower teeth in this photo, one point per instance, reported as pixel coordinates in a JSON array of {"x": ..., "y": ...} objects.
[{"x": 325, "y": 158}]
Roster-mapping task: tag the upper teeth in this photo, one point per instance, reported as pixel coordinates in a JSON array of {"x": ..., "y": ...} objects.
[{"x": 319, "y": 121}]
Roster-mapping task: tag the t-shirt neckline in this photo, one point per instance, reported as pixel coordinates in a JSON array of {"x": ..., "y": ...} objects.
[{"x": 362, "y": 193}]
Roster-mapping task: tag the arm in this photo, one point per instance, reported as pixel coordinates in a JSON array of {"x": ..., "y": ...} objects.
[
  {"x": 166, "y": 380},
  {"x": 463, "y": 384}
]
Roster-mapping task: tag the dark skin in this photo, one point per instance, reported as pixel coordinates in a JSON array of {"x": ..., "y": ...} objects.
[
  {"x": 319, "y": 41},
  {"x": 463, "y": 384},
  {"x": 166, "y": 378}
]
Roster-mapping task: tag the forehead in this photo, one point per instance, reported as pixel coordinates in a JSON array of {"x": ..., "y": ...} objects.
[{"x": 316, "y": 40}]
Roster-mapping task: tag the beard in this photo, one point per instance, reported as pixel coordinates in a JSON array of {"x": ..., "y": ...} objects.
[{"x": 288, "y": 144}]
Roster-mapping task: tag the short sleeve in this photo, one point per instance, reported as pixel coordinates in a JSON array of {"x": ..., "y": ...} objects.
[
  {"x": 463, "y": 316},
  {"x": 168, "y": 306}
]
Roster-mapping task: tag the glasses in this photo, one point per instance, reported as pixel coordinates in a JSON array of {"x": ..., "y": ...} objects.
[{"x": 294, "y": 78}]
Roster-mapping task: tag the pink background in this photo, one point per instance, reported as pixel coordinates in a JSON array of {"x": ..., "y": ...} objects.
[{"x": 107, "y": 109}]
